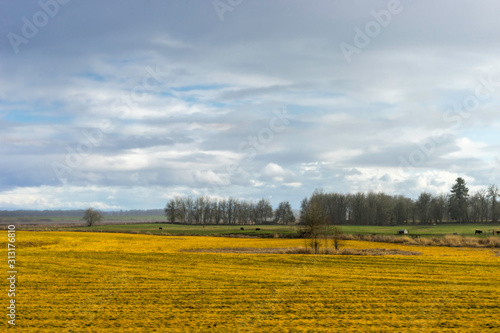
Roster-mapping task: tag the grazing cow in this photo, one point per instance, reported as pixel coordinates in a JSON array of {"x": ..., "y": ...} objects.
[
  {"x": 242, "y": 228},
  {"x": 498, "y": 232},
  {"x": 257, "y": 229},
  {"x": 478, "y": 232},
  {"x": 160, "y": 228}
]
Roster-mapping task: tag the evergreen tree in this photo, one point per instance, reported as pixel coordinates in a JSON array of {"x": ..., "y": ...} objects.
[{"x": 459, "y": 200}]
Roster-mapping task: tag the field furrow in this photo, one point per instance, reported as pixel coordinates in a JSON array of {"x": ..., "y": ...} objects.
[{"x": 81, "y": 282}]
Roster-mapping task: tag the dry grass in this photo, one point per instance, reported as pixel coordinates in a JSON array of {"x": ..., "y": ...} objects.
[
  {"x": 447, "y": 240},
  {"x": 354, "y": 252},
  {"x": 308, "y": 250}
]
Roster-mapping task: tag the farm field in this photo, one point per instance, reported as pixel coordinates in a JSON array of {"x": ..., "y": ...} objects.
[
  {"x": 198, "y": 230},
  {"x": 285, "y": 230},
  {"x": 150, "y": 225},
  {"x": 110, "y": 282}
]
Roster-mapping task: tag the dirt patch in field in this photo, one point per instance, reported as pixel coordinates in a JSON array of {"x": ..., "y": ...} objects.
[
  {"x": 303, "y": 250},
  {"x": 237, "y": 250}
]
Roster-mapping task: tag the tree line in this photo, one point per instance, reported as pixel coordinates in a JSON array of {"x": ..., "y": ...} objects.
[
  {"x": 372, "y": 208},
  {"x": 382, "y": 209},
  {"x": 207, "y": 210}
]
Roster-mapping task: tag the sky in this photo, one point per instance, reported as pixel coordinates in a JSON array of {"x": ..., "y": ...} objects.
[{"x": 125, "y": 104}]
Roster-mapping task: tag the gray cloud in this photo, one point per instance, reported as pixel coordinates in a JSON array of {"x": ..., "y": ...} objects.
[{"x": 186, "y": 93}]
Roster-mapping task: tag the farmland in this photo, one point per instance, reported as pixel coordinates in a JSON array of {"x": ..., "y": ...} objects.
[
  {"x": 108, "y": 282},
  {"x": 151, "y": 225}
]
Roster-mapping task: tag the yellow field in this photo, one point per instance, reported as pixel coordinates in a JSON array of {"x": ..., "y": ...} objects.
[{"x": 94, "y": 282}]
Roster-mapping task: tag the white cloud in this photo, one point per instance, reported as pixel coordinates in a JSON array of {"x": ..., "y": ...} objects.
[
  {"x": 275, "y": 173},
  {"x": 294, "y": 185},
  {"x": 470, "y": 149},
  {"x": 273, "y": 169},
  {"x": 211, "y": 178}
]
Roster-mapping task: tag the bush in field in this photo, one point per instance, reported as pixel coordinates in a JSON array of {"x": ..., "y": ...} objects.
[{"x": 337, "y": 234}]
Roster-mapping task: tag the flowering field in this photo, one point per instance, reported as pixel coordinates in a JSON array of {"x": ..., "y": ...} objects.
[{"x": 95, "y": 282}]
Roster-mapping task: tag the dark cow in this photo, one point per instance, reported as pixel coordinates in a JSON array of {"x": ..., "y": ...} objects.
[
  {"x": 498, "y": 232},
  {"x": 478, "y": 232},
  {"x": 242, "y": 228},
  {"x": 257, "y": 229},
  {"x": 160, "y": 228}
]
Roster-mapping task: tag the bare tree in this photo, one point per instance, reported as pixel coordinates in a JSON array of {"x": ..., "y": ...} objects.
[
  {"x": 264, "y": 211},
  {"x": 399, "y": 210},
  {"x": 357, "y": 208},
  {"x": 424, "y": 207},
  {"x": 92, "y": 216},
  {"x": 189, "y": 209},
  {"x": 336, "y": 233},
  {"x": 207, "y": 210},
  {"x": 438, "y": 207},
  {"x": 483, "y": 201},
  {"x": 474, "y": 208},
  {"x": 180, "y": 209},
  {"x": 493, "y": 194},
  {"x": 283, "y": 214},
  {"x": 198, "y": 209},
  {"x": 171, "y": 211},
  {"x": 314, "y": 222}
]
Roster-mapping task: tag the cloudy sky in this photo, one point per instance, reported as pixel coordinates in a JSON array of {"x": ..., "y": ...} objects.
[{"x": 124, "y": 104}]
